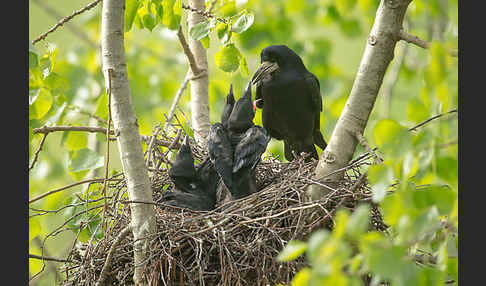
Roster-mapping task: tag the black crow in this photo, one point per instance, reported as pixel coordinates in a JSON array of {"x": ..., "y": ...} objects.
[
  {"x": 237, "y": 149},
  {"x": 195, "y": 189},
  {"x": 290, "y": 97}
]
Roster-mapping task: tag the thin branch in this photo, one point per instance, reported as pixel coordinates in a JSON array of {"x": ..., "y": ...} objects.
[
  {"x": 48, "y": 258},
  {"x": 412, "y": 39},
  {"x": 37, "y": 152},
  {"x": 98, "y": 180},
  {"x": 107, "y": 163},
  {"x": 176, "y": 100},
  {"x": 73, "y": 28},
  {"x": 109, "y": 257},
  {"x": 47, "y": 129},
  {"x": 65, "y": 20},
  {"x": 190, "y": 56},
  {"x": 430, "y": 119},
  {"x": 206, "y": 14},
  {"x": 365, "y": 144}
]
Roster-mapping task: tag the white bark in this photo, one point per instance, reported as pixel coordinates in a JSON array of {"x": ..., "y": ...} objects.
[
  {"x": 354, "y": 117},
  {"x": 199, "y": 85},
  {"x": 126, "y": 129}
]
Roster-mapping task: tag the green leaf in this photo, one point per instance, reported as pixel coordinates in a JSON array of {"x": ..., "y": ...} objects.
[
  {"x": 244, "y": 66},
  {"x": 205, "y": 42},
  {"x": 131, "y": 8},
  {"x": 200, "y": 30},
  {"x": 102, "y": 106},
  {"x": 76, "y": 140},
  {"x": 391, "y": 138},
  {"x": 34, "y": 228},
  {"x": 380, "y": 178},
  {"x": 358, "y": 222},
  {"x": 228, "y": 58},
  {"x": 56, "y": 83},
  {"x": 33, "y": 59},
  {"x": 350, "y": 28},
  {"x": 169, "y": 19},
  {"x": 40, "y": 103},
  {"x": 292, "y": 250},
  {"x": 302, "y": 277},
  {"x": 447, "y": 169},
  {"x": 148, "y": 20},
  {"x": 417, "y": 111},
  {"x": 84, "y": 159},
  {"x": 316, "y": 241},
  {"x": 243, "y": 23},
  {"x": 221, "y": 29}
]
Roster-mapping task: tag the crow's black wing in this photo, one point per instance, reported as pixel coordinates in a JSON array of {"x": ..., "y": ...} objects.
[
  {"x": 249, "y": 150},
  {"x": 313, "y": 87},
  {"x": 220, "y": 152},
  {"x": 197, "y": 201}
]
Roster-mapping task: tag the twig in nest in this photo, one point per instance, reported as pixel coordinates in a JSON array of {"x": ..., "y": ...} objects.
[{"x": 109, "y": 257}]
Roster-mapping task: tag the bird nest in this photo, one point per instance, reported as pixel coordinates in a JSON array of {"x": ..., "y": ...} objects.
[{"x": 235, "y": 244}]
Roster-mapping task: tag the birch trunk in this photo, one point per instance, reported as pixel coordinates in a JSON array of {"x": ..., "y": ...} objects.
[
  {"x": 126, "y": 129},
  {"x": 377, "y": 56},
  {"x": 199, "y": 85}
]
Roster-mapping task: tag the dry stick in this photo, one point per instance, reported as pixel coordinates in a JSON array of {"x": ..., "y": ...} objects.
[
  {"x": 109, "y": 257},
  {"x": 430, "y": 119},
  {"x": 74, "y": 29},
  {"x": 151, "y": 144},
  {"x": 37, "y": 152},
  {"x": 99, "y": 180},
  {"x": 64, "y": 20},
  {"x": 412, "y": 39}
]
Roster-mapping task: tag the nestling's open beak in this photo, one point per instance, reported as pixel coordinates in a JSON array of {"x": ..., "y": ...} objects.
[
  {"x": 265, "y": 68},
  {"x": 258, "y": 103}
]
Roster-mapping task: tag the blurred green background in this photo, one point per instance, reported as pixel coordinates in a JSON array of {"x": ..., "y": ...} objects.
[{"x": 330, "y": 36}]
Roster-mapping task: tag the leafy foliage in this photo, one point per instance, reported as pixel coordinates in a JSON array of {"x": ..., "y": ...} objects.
[{"x": 416, "y": 187}]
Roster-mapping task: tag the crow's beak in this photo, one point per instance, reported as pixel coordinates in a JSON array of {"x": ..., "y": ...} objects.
[
  {"x": 257, "y": 103},
  {"x": 265, "y": 68}
]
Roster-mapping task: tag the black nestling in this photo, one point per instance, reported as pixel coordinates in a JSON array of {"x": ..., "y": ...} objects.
[
  {"x": 238, "y": 148},
  {"x": 228, "y": 107},
  {"x": 290, "y": 97},
  {"x": 195, "y": 189}
]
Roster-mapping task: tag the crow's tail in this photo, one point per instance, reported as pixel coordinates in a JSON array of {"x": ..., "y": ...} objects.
[{"x": 319, "y": 139}]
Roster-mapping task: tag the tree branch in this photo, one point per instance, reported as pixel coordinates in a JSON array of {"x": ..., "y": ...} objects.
[
  {"x": 65, "y": 20},
  {"x": 419, "y": 42},
  {"x": 430, "y": 119},
  {"x": 37, "y": 152},
  {"x": 48, "y": 258},
  {"x": 74, "y": 29},
  {"x": 377, "y": 56},
  {"x": 125, "y": 123},
  {"x": 47, "y": 129}
]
